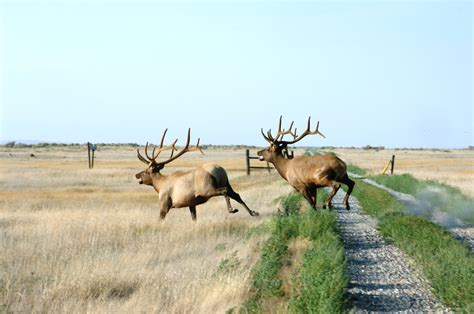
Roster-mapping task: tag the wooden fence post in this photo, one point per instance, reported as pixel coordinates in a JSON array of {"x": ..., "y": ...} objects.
[
  {"x": 393, "y": 164},
  {"x": 89, "y": 154},
  {"x": 247, "y": 159},
  {"x": 93, "y": 150},
  {"x": 247, "y": 162}
]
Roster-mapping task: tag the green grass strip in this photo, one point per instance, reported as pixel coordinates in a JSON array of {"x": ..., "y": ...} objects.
[
  {"x": 356, "y": 170},
  {"x": 319, "y": 286},
  {"x": 376, "y": 202},
  {"x": 433, "y": 194},
  {"x": 265, "y": 281},
  {"x": 445, "y": 262}
]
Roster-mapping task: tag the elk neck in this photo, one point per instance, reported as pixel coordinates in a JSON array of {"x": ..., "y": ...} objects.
[
  {"x": 281, "y": 164},
  {"x": 158, "y": 179}
]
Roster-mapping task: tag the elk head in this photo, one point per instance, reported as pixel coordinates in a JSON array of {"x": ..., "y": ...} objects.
[
  {"x": 153, "y": 166},
  {"x": 278, "y": 145}
]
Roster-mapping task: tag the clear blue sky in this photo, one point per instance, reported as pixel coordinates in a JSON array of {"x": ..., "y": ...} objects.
[{"x": 397, "y": 74}]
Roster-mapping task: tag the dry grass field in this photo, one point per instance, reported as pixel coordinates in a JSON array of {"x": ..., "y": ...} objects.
[
  {"x": 453, "y": 167},
  {"x": 80, "y": 240}
]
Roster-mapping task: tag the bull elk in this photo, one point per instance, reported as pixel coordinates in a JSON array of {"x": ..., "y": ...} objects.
[
  {"x": 186, "y": 188},
  {"x": 306, "y": 173}
]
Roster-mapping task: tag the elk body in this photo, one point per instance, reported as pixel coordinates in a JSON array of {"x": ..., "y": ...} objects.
[
  {"x": 306, "y": 173},
  {"x": 186, "y": 188}
]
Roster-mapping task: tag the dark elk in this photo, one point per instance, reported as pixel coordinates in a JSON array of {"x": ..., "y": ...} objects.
[
  {"x": 306, "y": 173},
  {"x": 186, "y": 188}
]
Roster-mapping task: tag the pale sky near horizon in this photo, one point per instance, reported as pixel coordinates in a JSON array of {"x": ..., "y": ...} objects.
[{"x": 389, "y": 73}]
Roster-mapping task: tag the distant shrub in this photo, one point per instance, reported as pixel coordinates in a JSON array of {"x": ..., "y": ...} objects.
[
  {"x": 368, "y": 147},
  {"x": 310, "y": 152}
]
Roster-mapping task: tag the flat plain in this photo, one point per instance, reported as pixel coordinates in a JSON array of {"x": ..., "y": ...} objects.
[{"x": 75, "y": 239}]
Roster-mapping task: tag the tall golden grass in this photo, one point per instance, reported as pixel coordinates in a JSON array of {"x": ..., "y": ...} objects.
[{"x": 80, "y": 240}]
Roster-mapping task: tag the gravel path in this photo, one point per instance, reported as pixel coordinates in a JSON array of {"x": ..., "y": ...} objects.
[
  {"x": 458, "y": 228},
  {"x": 381, "y": 278}
]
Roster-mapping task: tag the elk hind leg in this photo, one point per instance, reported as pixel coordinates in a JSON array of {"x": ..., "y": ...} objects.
[
  {"x": 235, "y": 196},
  {"x": 224, "y": 192},
  {"x": 335, "y": 187},
  {"x": 229, "y": 206},
  {"x": 350, "y": 184}
]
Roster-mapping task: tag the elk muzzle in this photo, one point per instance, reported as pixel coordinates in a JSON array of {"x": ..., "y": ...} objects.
[{"x": 139, "y": 176}]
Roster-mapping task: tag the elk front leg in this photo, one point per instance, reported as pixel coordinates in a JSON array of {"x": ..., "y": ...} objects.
[
  {"x": 165, "y": 208},
  {"x": 163, "y": 213},
  {"x": 192, "y": 209},
  {"x": 307, "y": 194}
]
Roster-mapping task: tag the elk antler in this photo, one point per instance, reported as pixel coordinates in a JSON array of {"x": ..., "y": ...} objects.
[
  {"x": 152, "y": 159},
  {"x": 297, "y": 138},
  {"x": 269, "y": 137},
  {"x": 278, "y": 139},
  {"x": 184, "y": 150}
]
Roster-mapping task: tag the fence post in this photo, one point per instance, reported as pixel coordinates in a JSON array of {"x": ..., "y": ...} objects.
[
  {"x": 393, "y": 164},
  {"x": 91, "y": 148},
  {"x": 89, "y": 154},
  {"x": 92, "y": 158},
  {"x": 247, "y": 159}
]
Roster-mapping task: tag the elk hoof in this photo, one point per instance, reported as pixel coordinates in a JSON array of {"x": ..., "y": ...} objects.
[
  {"x": 348, "y": 207},
  {"x": 253, "y": 213},
  {"x": 233, "y": 211},
  {"x": 324, "y": 206}
]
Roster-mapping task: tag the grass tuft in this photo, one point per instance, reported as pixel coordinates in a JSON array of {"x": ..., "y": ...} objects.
[{"x": 229, "y": 264}]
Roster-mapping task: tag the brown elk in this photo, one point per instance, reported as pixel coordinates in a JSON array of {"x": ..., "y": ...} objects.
[
  {"x": 186, "y": 188},
  {"x": 306, "y": 173}
]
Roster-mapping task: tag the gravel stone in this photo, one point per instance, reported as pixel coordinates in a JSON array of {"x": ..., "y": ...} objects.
[{"x": 382, "y": 278}]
